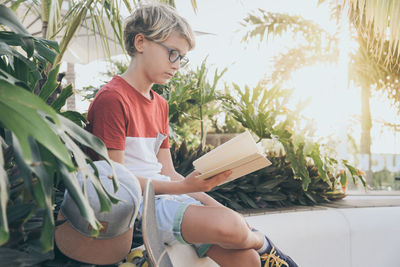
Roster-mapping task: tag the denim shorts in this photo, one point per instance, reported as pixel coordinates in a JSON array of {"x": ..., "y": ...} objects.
[{"x": 169, "y": 211}]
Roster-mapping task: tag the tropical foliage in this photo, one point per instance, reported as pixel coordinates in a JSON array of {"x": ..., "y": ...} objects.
[
  {"x": 367, "y": 69},
  {"x": 310, "y": 43},
  {"x": 378, "y": 21},
  {"x": 41, "y": 147},
  {"x": 65, "y": 18},
  {"x": 303, "y": 172},
  {"x": 275, "y": 187},
  {"x": 191, "y": 99},
  {"x": 262, "y": 110}
]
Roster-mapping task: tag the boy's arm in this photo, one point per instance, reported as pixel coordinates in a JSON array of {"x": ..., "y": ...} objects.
[
  {"x": 189, "y": 185},
  {"x": 168, "y": 169}
]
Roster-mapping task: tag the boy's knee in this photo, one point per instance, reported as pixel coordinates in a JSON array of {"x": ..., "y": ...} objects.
[{"x": 234, "y": 230}]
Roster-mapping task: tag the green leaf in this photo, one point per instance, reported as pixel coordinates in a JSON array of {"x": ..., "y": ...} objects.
[
  {"x": 8, "y": 18},
  {"x": 247, "y": 187},
  {"x": 343, "y": 179},
  {"x": 20, "y": 112},
  {"x": 39, "y": 195},
  {"x": 247, "y": 200},
  {"x": 236, "y": 206},
  {"x": 45, "y": 52},
  {"x": 7, "y": 50},
  {"x": 274, "y": 197},
  {"x": 46, "y": 236},
  {"x": 311, "y": 197},
  {"x": 104, "y": 197},
  {"x": 50, "y": 43},
  {"x": 85, "y": 138},
  {"x": 74, "y": 189},
  {"x": 62, "y": 98},
  {"x": 219, "y": 195},
  {"x": 24, "y": 169},
  {"x": 14, "y": 257},
  {"x": 268, "y": 185},
  {"x": 4, "y": 231},
  {"x": 19, "y": 211},
  {"x": 75, "y": 117},
  {"x": 194, "y": 5},
  {"x": 316, "y": 156},
  {"x": 51, "y": 84},
  {"x": 45, "y": 181}
]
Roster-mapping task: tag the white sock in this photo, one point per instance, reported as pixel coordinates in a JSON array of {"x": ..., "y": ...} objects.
[{"x": 264, "y": 247}]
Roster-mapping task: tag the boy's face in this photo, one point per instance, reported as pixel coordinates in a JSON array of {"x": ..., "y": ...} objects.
[{"x": 158, "y": 67}]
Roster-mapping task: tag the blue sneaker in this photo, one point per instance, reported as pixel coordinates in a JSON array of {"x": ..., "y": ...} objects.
[{"x": 274, "y": 257}]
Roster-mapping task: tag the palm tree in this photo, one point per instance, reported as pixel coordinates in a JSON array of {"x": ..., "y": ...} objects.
[
  {"x": 367, "y": 68},
  {"x": 379, "y": 21},
  {"x": 376, "y": 62},
  {"x": 66, "y": 17}
]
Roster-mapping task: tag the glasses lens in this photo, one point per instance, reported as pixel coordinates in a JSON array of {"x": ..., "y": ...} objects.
[
  {"x": 183, "y": 61},
  {"x": 173, "y": 55}
]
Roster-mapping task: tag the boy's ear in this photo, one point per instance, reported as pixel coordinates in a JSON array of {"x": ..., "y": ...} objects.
[{"x": 139, "y": 42}]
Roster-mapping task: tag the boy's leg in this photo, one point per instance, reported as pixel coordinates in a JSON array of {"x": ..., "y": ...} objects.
[
  {"x": 218, "y": 225},
  {"x": 234, "y": 257},
  {"x": 182, "y": 218},
  {"x": 235, "y": 244}
]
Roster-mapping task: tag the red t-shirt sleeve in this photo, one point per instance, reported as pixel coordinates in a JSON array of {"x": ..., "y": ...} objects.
[
  {"x": 107, "y": 118},
  {"x": 165, "y": 143}
]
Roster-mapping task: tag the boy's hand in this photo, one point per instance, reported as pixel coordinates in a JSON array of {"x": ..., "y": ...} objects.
[{"x": 194, "y": 184}]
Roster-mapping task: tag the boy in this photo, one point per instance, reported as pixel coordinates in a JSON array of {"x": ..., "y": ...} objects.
[{"x": 132, "y": 121}]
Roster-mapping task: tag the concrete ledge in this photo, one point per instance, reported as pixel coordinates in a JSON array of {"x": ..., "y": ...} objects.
[{"x": 358, "y": 231}]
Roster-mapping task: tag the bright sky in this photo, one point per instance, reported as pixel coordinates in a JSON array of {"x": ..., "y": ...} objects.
[{"x": 332, "y": 104}]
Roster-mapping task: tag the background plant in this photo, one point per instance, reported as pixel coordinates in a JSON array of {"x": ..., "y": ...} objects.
[
  {"x": 262, "y": 111},
  {"x": 275, "y": 187},
  {"x": 40, "y": 146},
  {"x": 373, "y": 65},
  {"x": 192, "y": 100}
]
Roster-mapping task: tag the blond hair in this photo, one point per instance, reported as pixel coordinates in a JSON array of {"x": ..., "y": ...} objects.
[{"x": 156, "y": 22}]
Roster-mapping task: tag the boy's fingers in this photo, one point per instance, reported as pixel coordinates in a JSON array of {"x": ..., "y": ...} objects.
[
  {"x": 195, "y": 173},
  {"x": 224, "y": 175}
]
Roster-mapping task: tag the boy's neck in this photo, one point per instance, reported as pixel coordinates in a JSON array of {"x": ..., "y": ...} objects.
[{"x": 133, "y": 77}]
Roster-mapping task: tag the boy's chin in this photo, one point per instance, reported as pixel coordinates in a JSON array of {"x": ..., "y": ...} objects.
[{"x": 162, "y": 81}]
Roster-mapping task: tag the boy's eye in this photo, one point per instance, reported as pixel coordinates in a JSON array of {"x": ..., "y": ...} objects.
[{"x": 174, "y": 55}]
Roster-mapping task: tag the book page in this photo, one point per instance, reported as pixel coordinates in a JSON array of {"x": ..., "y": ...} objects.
[
  {"x": 239, "y": 170},
  {"x": 238, "y": 147},
  {"x": 228, "y": 166}
]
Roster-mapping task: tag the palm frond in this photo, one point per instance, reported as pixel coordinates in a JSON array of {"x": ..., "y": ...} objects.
[{"x": 379, "y": 20}]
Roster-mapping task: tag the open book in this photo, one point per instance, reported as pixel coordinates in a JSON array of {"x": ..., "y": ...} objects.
[{"x": 240, "y": 154}]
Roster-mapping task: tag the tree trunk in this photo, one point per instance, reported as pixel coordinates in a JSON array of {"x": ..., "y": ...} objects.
[
  {"x": 44, "y": 29},
  {"x": 366, "y": 125},
  {"x": 45, "y": 6},
  {"x": 70, "y": 78}
]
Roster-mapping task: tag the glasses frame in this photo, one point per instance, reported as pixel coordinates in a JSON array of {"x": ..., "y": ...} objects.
[{"x": 183, "y": 60}]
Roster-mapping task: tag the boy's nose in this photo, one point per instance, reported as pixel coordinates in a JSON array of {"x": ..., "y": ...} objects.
[{"x": 176, "y": 64}]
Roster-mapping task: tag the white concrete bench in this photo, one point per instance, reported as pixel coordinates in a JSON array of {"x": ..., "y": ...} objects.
[{"x": 359, "y": 231}]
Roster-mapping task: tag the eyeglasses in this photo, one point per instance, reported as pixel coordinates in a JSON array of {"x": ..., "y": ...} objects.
[{"x": 174, "y": 55}]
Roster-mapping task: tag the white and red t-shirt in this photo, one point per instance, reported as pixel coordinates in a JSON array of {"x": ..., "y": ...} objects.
[{"x": 126, "y": 120}]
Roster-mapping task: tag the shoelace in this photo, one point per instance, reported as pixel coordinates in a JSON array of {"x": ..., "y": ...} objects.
[{"x": 273, "y": 260}]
